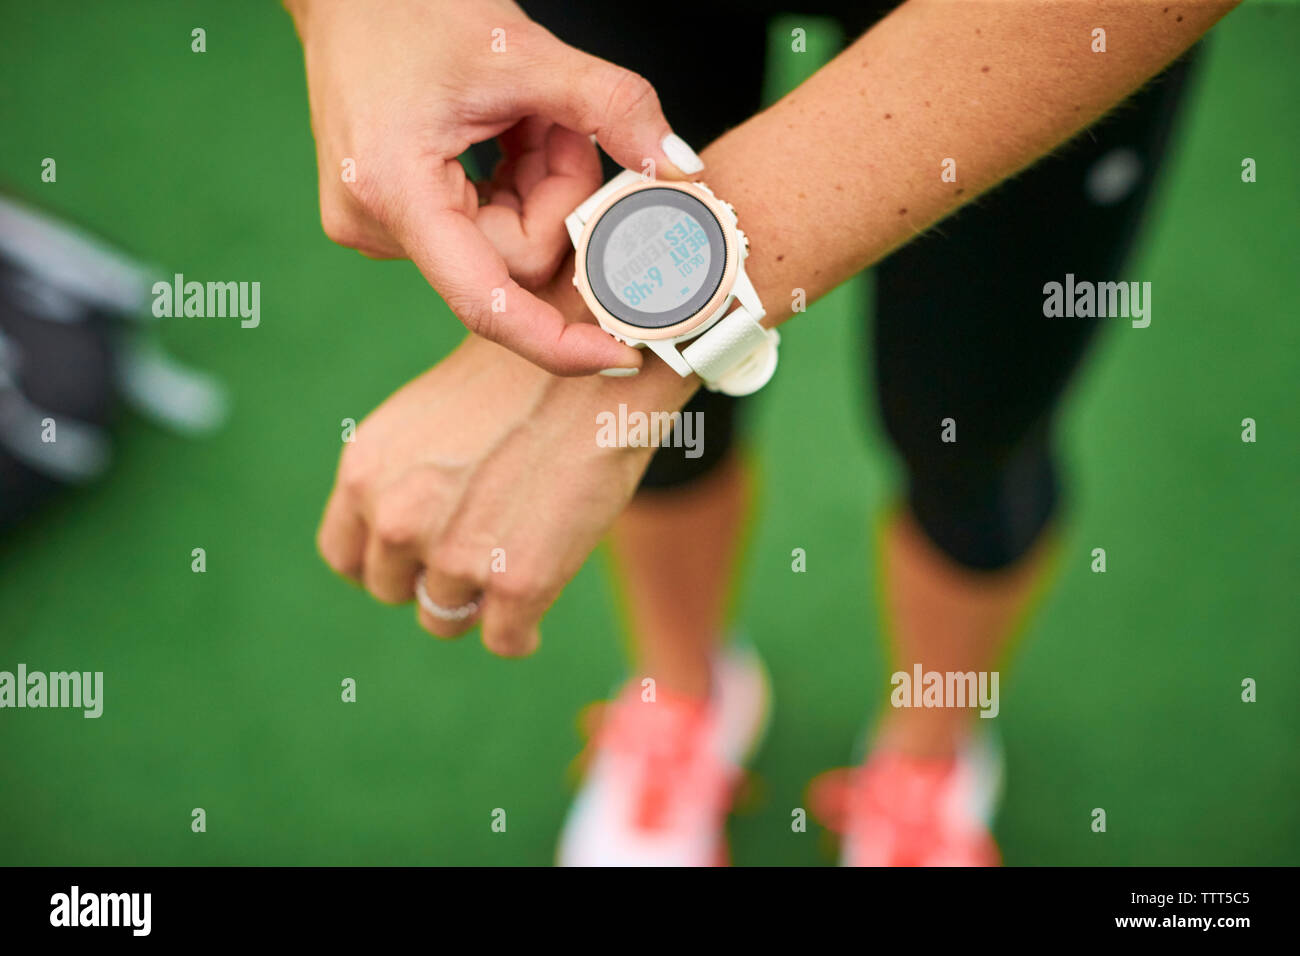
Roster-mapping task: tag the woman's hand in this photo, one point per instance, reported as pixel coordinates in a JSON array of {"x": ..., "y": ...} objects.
[
  {"x": 485, "y": 474},
  {"x": 400, "y": 88}
]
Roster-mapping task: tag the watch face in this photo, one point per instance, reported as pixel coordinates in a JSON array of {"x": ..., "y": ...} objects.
[{"x": 656, "y": 257}]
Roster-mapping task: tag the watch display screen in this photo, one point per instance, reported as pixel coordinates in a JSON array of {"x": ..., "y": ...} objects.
[{"x": 656, "y": 257}]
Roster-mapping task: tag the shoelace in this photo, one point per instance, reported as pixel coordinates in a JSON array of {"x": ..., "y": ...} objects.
[
  {"x": 661, "y": 746},
  {"x": 903, "y": 797}
]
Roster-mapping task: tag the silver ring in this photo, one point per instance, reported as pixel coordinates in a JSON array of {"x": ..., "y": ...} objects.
[{"x": 437, "y": 610}]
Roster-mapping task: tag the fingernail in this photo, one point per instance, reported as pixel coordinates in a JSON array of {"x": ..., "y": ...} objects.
[
  {"x": 619, "y": 372},
  {"x": 682, "y": 156}
]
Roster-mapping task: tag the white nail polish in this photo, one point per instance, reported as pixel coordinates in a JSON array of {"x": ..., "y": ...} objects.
[
  {"x": 682, "y": 156},
  {"x": 619, "y": 372}
]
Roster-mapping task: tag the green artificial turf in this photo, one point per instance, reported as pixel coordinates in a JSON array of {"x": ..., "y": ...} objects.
[{"x": 223, "y": 688}]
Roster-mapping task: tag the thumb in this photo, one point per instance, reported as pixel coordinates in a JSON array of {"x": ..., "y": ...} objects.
[
  {"x": 620, "y": 108},
  {"x": 467, "y": 270}
]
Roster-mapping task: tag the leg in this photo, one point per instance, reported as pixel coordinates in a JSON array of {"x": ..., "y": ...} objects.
[
  {"x": 961, "y": 335},
  {"x": 675, "y": 550},
  {"x": 961, "y": 340},
  {"x": 947, "y": 619}
]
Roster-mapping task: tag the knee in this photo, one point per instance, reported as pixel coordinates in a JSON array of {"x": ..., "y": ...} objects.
[{"x": 985, "y": 508}]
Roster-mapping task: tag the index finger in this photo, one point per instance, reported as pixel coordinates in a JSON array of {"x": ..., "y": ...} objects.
[{"x": 461, "y": 263}]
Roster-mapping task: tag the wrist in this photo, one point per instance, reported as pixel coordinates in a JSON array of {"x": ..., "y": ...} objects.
[{"x": 655, "y": 387}]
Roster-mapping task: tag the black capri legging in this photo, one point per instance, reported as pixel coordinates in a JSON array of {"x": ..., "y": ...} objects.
[{"x": 959, "y": 331}]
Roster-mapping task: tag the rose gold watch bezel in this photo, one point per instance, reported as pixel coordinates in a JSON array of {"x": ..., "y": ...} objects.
[{"x": 611, "y": 322}]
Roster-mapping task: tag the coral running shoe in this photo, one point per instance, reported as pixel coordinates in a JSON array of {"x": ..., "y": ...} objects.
[
  {"x": 661, "y": 776},
  {"x": 899, "y": 810}
]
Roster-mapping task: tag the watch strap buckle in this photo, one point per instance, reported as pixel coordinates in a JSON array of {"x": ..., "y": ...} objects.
[{"x": 737, "y": 356}]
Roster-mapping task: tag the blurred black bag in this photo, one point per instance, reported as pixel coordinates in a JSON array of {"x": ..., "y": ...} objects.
[{"x": 76, "y": 335}]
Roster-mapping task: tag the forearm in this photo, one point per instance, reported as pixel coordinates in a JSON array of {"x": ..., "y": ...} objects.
[{"x": 847, "y": 167}]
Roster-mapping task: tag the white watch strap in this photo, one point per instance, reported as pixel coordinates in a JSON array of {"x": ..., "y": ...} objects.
[{"x": 737, "y": 356}]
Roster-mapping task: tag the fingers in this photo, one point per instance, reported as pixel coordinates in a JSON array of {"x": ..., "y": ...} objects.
[
  {"x": 385, "y": 555},
  {"x": 380, "y": 553},
  {"x": 619, "y": 107},
  {"x": 453, "y": 580},
  {"x": 390, "y": 567},
  {"x": 453, "y": 588},
  {"x": 525, "y": 219},
  {"x": 554, "y": 182},
  {"x": 460, "y": 262},
  {"x": 430, "y": 216},
  {"x": 399, "y": 557},
  {"x": 459, "y": 591},
  {"x": 454, "y": 594},
  {"x": 450, "y": 620},
  {"x": 341, "y": 539},
  {"x": 492, "y": 195},
  {"x": 528, "y": 135}
]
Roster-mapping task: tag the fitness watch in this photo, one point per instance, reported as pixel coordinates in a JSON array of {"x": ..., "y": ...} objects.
[{"x": 660, "y": 264}]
